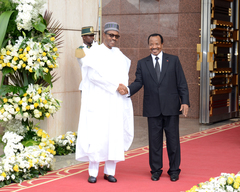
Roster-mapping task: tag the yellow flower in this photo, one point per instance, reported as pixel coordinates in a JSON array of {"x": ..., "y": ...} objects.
[
  {"x": 52, "y": 39},
  {"x": 54, "y": 152},
  {"x": 57, "y": 54},
  {"x": 25, "y": 94},
  {"x": 23, "y": 65},
  {"x": 30, "y": 100},
  {"x": 236, "y": 185},
  {"x": 5, "y": 100},
  {"x": 20, "y": 102},
  {"x": 20, "y": 50},
  {"x": 211, "y": 179},
  {"x": 17, "y": 109},
  {"x": 36, "y": 128},
  {"x": 74, "y": 134},
  {"x": 30, "y": 163},
  {"x": 9, "y": 64},
  {"x": 20, "y": 56},
  {"x": 44, "y": 54},
  {"x": 49, "y": 150},
  {"x": 71, "y": 141},
  {"x": 45, "y": 70},
  {"x": 40, "y": 99},
  {"x": 38, "y": 59},
  {"x": 39, "y": 133},
  {"x": 193, "y": 189},
  {"x": 2, "y": 110},
  {"x": 30, "y": 70},
  {"x": 40, "y": 113},
  {"x": 4, "y": 64},
  {"x": 230, "y": 180},
  {"x": 237, "y": 179},
  {"x": 63, "y": 136},
  {"x": 2, "y": 57},
  {"x": 15, "y": 58},
  {"x": 40, "y": 147},
  {"x": 27, "y": 107},
  {"x": 24, "y": 59},
  {"x": 51, "y": 141},
  {"x": 45, "y": 101},
  {"x": 28, "y": 48},
  {"x": 200, "y": 185},
  {"x": 25, "y": 53},
  {"x": 15, "y": 168},
  {"x": 54, "y": 57},
  {"x": 8, "y": 52},
  {"x": 3, "y": 174},
  {"x": 55, "y": 49},
  {"x": 44, "y": 135},
  {"x": 1, "y": 61},
  {"x": 39, "y": 91},
  {"x": 15, "y": 68},
  {"x": 47, "y": 115},
  {"x": 43, "y": 154}
]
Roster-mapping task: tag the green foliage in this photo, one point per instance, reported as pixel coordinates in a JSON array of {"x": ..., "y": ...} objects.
[
  {"x": 41, "y": 25},
  {"x": 60, "y": 150},
  {"x": 4, "y": 19},
  {"x": 6, "y": 5},
  {"x": 30, "y": 142},
  {"x": 6, "y": 89}
]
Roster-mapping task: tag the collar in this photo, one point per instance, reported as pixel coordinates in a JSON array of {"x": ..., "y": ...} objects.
[
  {"x": 159, "y": 56},
  {"x": 85, "y": 46}
]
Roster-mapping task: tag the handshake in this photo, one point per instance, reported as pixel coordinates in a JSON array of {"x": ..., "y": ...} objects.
[{"x": 122, "y": 89}]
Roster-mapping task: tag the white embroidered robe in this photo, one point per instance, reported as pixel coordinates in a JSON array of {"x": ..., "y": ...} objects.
[{"x": 105, "y": 128}]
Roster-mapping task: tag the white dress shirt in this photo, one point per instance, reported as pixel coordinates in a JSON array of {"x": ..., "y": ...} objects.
[{"x": 159, "y": 60}]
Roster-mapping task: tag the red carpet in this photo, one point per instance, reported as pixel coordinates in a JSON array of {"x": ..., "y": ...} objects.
[{"x": 204, "y": 154}]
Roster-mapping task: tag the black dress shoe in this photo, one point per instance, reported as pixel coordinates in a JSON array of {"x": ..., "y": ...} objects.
[
  {"x": 92, "y": 179},
  {"x": 174, "y": 177},
  {"x": 155, "y": 176},
  {"x": 110, "y": 178}
]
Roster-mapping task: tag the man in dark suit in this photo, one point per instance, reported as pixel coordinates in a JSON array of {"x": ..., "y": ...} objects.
[{"x": 165, "y": 97}]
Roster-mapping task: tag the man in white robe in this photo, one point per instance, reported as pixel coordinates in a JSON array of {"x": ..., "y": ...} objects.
[{"x": 105, "y": 128}]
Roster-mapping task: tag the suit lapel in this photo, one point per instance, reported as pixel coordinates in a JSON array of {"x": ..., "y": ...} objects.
[
  {"x": 151, "y": 69},
  {"x": 165, "y": 62}
]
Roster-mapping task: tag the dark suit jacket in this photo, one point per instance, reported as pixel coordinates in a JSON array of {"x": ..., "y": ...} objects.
[{"x": 163, "y": 97}]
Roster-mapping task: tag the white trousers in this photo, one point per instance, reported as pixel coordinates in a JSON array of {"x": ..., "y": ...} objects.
[{"x": 109, "y": 168}]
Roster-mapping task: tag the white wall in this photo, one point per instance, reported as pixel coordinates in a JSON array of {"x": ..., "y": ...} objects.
[{"x": 73, "y": 14}]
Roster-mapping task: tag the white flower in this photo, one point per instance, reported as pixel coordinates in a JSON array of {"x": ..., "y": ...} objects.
[
  {"x": 25, "y": 115},
  {"x": 1, "y": 178},
  {"x": 13, "y": 176},
  {"x": 36, "y": 97}
]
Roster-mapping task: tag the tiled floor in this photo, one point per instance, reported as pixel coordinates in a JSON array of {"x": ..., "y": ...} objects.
[{"x": 187, "y": 126}]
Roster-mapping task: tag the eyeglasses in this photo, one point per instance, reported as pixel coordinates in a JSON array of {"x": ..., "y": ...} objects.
[{"x": 112, "y": 35}]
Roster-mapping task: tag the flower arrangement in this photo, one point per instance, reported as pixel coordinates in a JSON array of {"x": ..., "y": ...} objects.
[
  {"x": 28, "y": 13},
  {"x": 224, "y": 183},
  {"x": 65, "y": 144},
  {"x": 37, "y": 103},
  {"x": 36, "y": 55},
  {"x": 29, "y": 46},
  {"x": 26, "y": 164}
]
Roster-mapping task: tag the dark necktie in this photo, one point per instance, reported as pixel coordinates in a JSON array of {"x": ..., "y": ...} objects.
[{"x": 157, "y": 68}]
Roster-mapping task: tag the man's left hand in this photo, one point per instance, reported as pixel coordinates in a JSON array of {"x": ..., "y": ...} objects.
[{"x": 184, "y": 109}]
